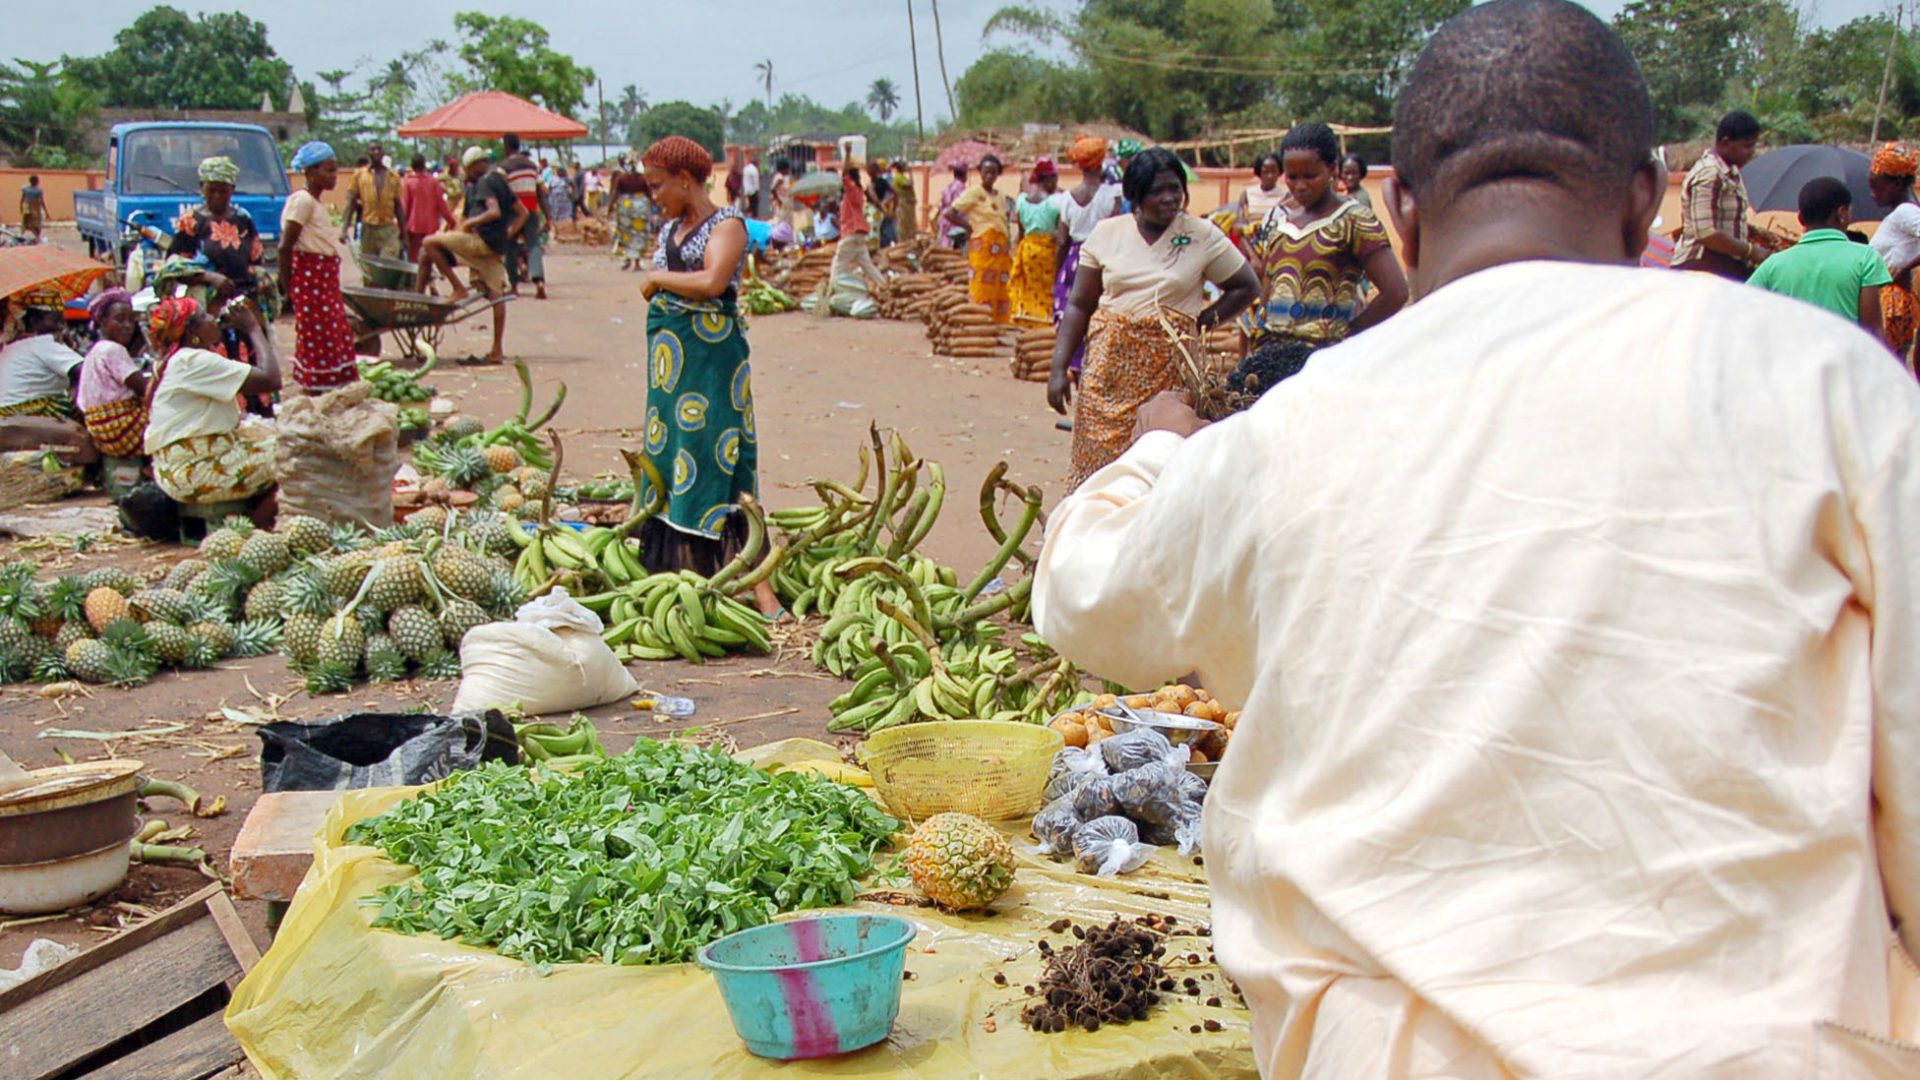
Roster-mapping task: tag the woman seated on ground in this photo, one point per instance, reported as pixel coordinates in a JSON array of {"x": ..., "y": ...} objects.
[
  {"x": 37, "y": 371},
  {"x": 113, "y": 385},
  {"x": 201, "y": 451}
]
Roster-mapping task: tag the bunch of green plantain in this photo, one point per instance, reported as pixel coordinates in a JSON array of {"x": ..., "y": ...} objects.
[
  {"x": 551, "y": 746},
  {"x": 757, "y": 297},
  {"x": 392, "y": 384},
  {"x": 601, "y": 558}
]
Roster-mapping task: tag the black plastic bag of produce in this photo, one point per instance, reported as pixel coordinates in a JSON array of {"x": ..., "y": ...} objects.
[
  {"x": 1053, "y": 826},
  {"x": 1141, "y": 746},
  {"x": 364, "y": 750},
  {"x": 1192, "y": 788},
  {"x": 1150, "y": 794},
  {"x": 1109, "y": 847},
  {"x": 1072, "y": 767},
  {"x": 1181, "y": 829}
]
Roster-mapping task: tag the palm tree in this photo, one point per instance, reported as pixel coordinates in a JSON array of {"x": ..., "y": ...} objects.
[
  {"x": 395, "y": 78},
  {"x": 883, "y": 98},
  {"x": 633, "y": 102},
  {"x": 764, "y": 69}
]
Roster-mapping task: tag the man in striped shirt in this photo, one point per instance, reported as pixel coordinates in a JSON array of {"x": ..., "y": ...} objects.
[
  {"x": 523, "y": 176},
  {"x": 1714, "y": 233}
]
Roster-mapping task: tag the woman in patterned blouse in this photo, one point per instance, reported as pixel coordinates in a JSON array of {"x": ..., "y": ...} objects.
[{"x": 1316, "y": 249}]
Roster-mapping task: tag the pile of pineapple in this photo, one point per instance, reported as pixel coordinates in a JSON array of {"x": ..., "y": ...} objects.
[
  {"x": 381, "y": 605},
  {"x": 503, "y": 479},
  {"x": 342, "y": 603},
  {"x": 109, "y": 626}
]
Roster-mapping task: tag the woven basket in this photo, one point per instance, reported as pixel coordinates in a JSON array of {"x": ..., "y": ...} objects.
[{"x": 993, "y": 769}]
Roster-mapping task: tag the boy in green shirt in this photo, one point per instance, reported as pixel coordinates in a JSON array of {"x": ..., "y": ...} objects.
[{"x": 1826, "y": 268}]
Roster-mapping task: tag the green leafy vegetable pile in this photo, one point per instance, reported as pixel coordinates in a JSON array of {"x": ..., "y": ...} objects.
[{"x": 637, "y": 859}]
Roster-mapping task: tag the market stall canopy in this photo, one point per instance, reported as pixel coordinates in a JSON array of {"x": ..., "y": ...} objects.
[
  {"x": 1774, "y": 179},
  {"x": 46, "y": 274},
  {"x": 489, "y": 114}
]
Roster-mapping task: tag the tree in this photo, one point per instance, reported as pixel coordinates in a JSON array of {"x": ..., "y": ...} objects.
[
  {"x": 1004, "y": 88},
  {"x": 169, "y": 60},
  {"x": 765, "y": 70},
  {"x": 511, "y": 54},
  {"x": 43, "y": 115},
  {"x": 883, "y": 98},
  {"x": 703, "y": 126},
  {"x": 1696, "y": 54}
]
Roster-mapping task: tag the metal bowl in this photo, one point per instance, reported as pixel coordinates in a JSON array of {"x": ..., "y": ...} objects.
[
  {"x": 1203, "y": 769},
  {"x": 1177, "y": 727}
]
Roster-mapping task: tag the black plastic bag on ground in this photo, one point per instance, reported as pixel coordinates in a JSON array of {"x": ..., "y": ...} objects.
[
  {"x": 365, "y": 750},
  {"x": 148, "y": 513}
]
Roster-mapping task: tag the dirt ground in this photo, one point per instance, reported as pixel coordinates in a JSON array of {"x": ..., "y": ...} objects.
[{"x": 818, "y": 384}]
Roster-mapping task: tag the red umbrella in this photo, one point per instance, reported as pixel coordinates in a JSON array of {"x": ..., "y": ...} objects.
[
  {"x": 967, "y": 152},
  {"x": 489, "y": 114},
  {"x": 43, "y": 273}
]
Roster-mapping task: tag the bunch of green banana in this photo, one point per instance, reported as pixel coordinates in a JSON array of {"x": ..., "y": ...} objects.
[
  {"x": 551, "y": 746},
  {"x": 680, "y": 616},
  {"x": 392, "y": 384},
  {"x": 600, "y": 489},
  {"x": 759, "y": 298},
  {"x": 603, "y": 558},
  {"x": 414, "y": 419},
  {"x": 518, "y": 433}
]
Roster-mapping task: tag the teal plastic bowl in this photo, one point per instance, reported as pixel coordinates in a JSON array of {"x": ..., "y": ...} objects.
[{"x": 814, "y": 987}]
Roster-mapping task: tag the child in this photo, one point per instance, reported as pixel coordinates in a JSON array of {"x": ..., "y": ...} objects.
[
  {"x": 1825, "y": 268},
  {"x": 113, "y": 387}
]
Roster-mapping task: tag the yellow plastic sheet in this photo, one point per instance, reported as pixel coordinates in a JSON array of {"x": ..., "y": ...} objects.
[{"x": 334, "y": 997}]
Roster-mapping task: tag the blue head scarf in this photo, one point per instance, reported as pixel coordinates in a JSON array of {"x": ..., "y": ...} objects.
[{"x": 310, "y": 155}]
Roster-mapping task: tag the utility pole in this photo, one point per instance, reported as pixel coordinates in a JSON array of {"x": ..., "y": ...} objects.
[
  {"x": 919, "y": 114},
  {"x": 600, "y": 91},
  {"x": 1886, "y": 77},
  {"x": 940, "y": 46}
]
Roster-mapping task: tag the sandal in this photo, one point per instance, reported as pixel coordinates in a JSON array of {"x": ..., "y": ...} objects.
[{"x": 479, "y": 361}]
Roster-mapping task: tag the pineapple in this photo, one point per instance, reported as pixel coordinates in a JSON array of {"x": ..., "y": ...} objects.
[
  {"x": 183, "y": 573},
  {"x": 462, "y": 426},
  {"x": 462, "y": 572},
  {"x": 329, "y": 678},
  {"x": 458, "y": 617},
  {"x": 465, "y": 466},
  {"x": 505, "y": 594},
  {"x": 111, "y": 577},
  {"x": 344, "y": 574},
  {"x": 959, "y": 861},
  {"x": 342, "y": 642},
  {"x": 528, "y": 510},
  {"x": 435, "y": 487},
  {"x": 161, "y": 605},
  {"x": 71, "y": 631},
  {"x": 256, "y": 637},
  {"x": 200, "y": 654},
  {"x": 415, "y": 632},
  {"x": 239, "y": 525},
  {"x": 220, "y": 545},
  {"x": 429, "y": 519},
  {"x": 397, "y": 580},
  {"x": 266, "y": 554},
  {"x": 502, "y": 459},
  {"x": 214, "y": 633},
  {"x": 171, "y": 644},
  {"x": 90, "y": 660},
  {"x": 65, "y": 602},
  {"x": 384, "y": 660},
  {"x": 440, "y": 665},
  {"x": 495, "y": 534},
  {"x": 534, "y": 487},
  {"x": 300, "y": 638},
  {"x": 20, "y": 648},
  {"x": 103, "y": 606},
  {"x": 508, "y": 498},
  {"x": 525, "y": 473},
  {"x": 305, "y": 535},
  {"x": 304, "y": 592},
  {"x": 223, "y": 588},
  {"x": 263, "y": 602}
]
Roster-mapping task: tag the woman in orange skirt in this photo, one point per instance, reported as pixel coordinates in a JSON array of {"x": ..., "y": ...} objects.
[{"x": 984, "y": 213}]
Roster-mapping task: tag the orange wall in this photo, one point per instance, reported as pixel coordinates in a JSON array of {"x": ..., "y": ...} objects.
[{"x": 59, "y": 184}]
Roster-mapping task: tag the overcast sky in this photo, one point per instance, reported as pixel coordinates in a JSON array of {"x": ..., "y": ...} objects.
[{"x": 702, "y": 51}]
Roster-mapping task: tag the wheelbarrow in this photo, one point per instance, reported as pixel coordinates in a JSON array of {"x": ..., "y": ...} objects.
[
  {"x": 380, "y": 272},
  {"x": 416, "y": 320}
]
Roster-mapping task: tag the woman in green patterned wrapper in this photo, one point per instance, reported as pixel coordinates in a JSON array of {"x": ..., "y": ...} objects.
[{"x": 699, "y": 424}]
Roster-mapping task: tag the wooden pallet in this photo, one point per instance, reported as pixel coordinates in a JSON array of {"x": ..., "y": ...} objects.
[{"x": 99, "y": 1015}]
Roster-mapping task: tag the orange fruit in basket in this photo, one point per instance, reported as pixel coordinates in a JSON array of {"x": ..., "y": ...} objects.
[
  {"x": 1201, "y": 693},
  {"x": 1074, "y": 732},
  {"x": 1104, "y": 701},
  {"x": 1198, "y": 755},
  {"x": 1097, "y": 735},
  {"x": 1229, "y": 720},
  {"x": 1181, "y": 695},
  {"x": 1139, "y": 701}
]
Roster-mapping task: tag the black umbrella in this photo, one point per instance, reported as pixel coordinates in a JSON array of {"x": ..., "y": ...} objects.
[{"x": 1774, "y": 179}]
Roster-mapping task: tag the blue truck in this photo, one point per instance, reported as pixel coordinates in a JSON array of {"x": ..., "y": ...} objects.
[{"x": 153, "y": 176}]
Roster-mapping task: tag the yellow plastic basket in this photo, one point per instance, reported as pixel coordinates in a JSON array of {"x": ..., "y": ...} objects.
[{"x": 992, "y": 769}]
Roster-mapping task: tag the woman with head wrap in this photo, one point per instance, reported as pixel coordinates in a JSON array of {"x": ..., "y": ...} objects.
[
  {"x": 201, "y": 451},
  {"x": 1898, "y": 241},
  {"x": 906, "y": 201},
  {"x": 633, "y": 219},
  {"x": 310, "y": 260},
  {"x": 985, "y": 213},
  {"x": 699, "y": 432},
  {"x": 222, "y": 230},
  {"x": 1140, "y": 275},
  {"x": 112, "y": 394},
  {"x": 1035, "y": 257},
  {"x": 1083, "y": 206}
]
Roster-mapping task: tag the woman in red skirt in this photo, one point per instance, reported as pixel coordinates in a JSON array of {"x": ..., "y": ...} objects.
[{"x": 310, "y": 279}]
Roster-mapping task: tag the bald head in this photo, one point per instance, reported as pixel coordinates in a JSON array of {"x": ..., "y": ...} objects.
[{"x": 1534, "y": 90}]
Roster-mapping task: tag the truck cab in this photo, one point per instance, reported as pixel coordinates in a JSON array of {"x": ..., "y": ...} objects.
[{"x": 153, "y": 176}]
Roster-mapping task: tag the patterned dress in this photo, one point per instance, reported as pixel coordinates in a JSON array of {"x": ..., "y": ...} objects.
[
  {"x": 699, "y": 430},
  {"x": 1312, "y": 275}
]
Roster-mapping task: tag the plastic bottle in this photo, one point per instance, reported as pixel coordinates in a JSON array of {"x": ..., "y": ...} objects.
[{"x": 662, "y": 705}]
